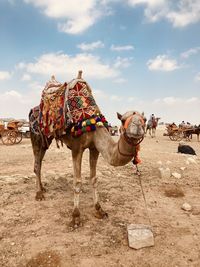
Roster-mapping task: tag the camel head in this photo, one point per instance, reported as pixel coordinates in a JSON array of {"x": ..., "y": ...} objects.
[{"x": 132, "y": 124}]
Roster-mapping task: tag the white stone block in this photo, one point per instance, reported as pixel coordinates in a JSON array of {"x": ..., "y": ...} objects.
[
  {"x": 159, "y": 163},
  {"x": 192, "y": 160},
  {"x": 165, "y": 173},
  {"x": 186, "y": 207},
  {"x": 176, "y": 175},
  {"x": 140, "y": 236}
]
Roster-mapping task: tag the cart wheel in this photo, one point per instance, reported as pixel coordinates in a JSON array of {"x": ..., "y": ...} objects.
[
  {"x": 180, "y": 136},
  {"x": 173, "y": 137},
  {"x": 8, "y": 137},
  {"x": 18, "y": 137}
]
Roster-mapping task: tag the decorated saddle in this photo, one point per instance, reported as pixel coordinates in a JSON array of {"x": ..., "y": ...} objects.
[{"x": 66, "y": 107}]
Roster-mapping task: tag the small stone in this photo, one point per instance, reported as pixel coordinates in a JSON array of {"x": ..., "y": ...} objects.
[
  {"x": 176, "y": 175},
  {"x": 192, "y": 160},
  {"x": 13, "y": 243},
  {"x": 182, "y": 168},
  {"x": 186, "y": 207},
  {"x": 140, "y": 236},
  {"x": 164, "y": 173}
]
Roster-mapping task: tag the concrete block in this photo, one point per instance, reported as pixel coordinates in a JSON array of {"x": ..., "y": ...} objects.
[{"x": 140, "y": 236}]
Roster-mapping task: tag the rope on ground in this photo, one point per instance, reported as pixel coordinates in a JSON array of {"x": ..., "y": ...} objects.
[{"x": 145, "y": 202}]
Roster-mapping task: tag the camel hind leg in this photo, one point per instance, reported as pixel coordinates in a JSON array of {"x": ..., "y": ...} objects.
[
  {"x": 39, "y": 151},
  {"x": 99, "y": 212}
]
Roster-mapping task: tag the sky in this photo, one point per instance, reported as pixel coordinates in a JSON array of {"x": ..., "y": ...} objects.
[{"x": 141, "y": 55}]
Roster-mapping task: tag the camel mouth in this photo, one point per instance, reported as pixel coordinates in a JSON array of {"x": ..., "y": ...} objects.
[{"x": 136, "y": 136}]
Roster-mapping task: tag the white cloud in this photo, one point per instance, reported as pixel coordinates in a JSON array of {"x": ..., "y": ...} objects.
[
  {"x": 131, "y": 99},
  {"x": 192, "y": 100},
  {"x": 123, "y": 62},
  {"x": 190, "y": 52},
  {"x": 90, "y": 46},
  {"x": 73, "y": 16},
  {"x": 116, "y": 98},
  {"x": 154, "y": 9},
  {"x": 17, "y": 105},
  {"x": 162, "y": 63},
  {"x": 197, "y": 77},
  {"x": 120, "y": 80},
  {"x": 149, "y": 3},
  {"x": 170, "y": 100},
  {"x": 4, "y": 75},
  {"x": 180, "y": 13},
  {"x": 122, "y": 48},
  {"x": 187, "y": 12},
  {"x": 26, "y": 77},
  {"x": 12, "y": 93},
  {"x": 65, "y": 66}
]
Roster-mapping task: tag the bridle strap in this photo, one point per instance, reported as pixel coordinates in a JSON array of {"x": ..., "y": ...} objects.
[
  {"x": 126, "y": 155},
  {"x": 129, "y": 140},
  {"x": 130, "y": 143}
]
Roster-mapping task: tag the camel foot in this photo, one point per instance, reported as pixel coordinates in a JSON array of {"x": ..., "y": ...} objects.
[
  {"x": 76, "y": 219},
  {"x": 43, "y": 189},
  {"x": 39, "y": 196},
  {"x": 100, "y": 213}
]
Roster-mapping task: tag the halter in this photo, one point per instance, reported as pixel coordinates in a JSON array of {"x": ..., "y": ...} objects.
[{"x": 130, "y": 140}]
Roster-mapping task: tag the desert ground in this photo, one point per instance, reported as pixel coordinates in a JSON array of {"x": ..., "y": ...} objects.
[{"x": 37, "y": 234}]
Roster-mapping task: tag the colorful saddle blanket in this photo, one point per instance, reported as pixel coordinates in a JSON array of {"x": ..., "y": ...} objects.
[
  {"x": 80, "y": 101},
  {"x": 53, "y": 116},
  {"x": 66, "y": 106}
]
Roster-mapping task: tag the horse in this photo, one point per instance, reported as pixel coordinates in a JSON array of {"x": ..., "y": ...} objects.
[{"x": 151, "y": 126}]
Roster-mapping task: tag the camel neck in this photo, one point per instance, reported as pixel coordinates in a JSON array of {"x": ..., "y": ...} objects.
[{"x": 115, "y": 153}]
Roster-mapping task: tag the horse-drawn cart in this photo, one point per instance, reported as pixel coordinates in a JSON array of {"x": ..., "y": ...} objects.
[
  {"x": 178, "y": 133},
  {"x": 10, "y": 133}
]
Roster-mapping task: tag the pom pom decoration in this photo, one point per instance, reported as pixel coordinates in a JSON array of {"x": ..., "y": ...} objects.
[
  {"x": 93, "y": 121},
  {"x": 79, "y": 132},
  {"x": 93, "y": 127},
  {"x": 88, "y": 122},
  {"x": 88, "y": 128},
  {"x": 100, "y": 123},
  {"x": 88, "y": 125},
  {"x": 83, "y": 123}
]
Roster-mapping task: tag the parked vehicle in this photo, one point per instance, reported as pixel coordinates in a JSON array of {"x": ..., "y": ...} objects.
[{"x": 10, "y": 133}]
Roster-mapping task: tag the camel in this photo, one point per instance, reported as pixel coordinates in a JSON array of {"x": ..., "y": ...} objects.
[
  {"x": 151, "y": 127},
  {"x": 99, "y": 141}
]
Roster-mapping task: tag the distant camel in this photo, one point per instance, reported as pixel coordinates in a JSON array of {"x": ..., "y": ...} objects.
[
  {"x": 98, "y": 141},
  {"x": 151, "y": 127}
]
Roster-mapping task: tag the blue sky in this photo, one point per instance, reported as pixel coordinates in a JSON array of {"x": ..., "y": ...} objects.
[{"x": 136, "y": 54}]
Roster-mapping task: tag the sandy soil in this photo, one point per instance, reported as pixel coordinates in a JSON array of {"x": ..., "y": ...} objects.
[{"x": 37, "y": 234}]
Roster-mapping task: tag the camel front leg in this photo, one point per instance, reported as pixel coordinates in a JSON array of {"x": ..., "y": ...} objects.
[
  {"x": 77, "y": 158},
  {"x": 99, "y": 212}
]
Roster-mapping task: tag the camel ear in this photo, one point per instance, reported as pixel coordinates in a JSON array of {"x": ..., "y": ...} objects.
[{"x": 119, "y": 116}]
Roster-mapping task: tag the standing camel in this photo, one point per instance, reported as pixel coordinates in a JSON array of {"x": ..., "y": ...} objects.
[
  {"x": 151, "y": 126},
  {"x": 98, "y": 141}
]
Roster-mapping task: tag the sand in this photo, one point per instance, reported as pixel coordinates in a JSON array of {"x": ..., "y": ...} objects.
[{"x": 37, "y": 234}]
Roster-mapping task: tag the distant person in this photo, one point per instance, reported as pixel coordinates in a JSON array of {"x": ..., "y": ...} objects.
[{"x": 182, "y": 124}]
